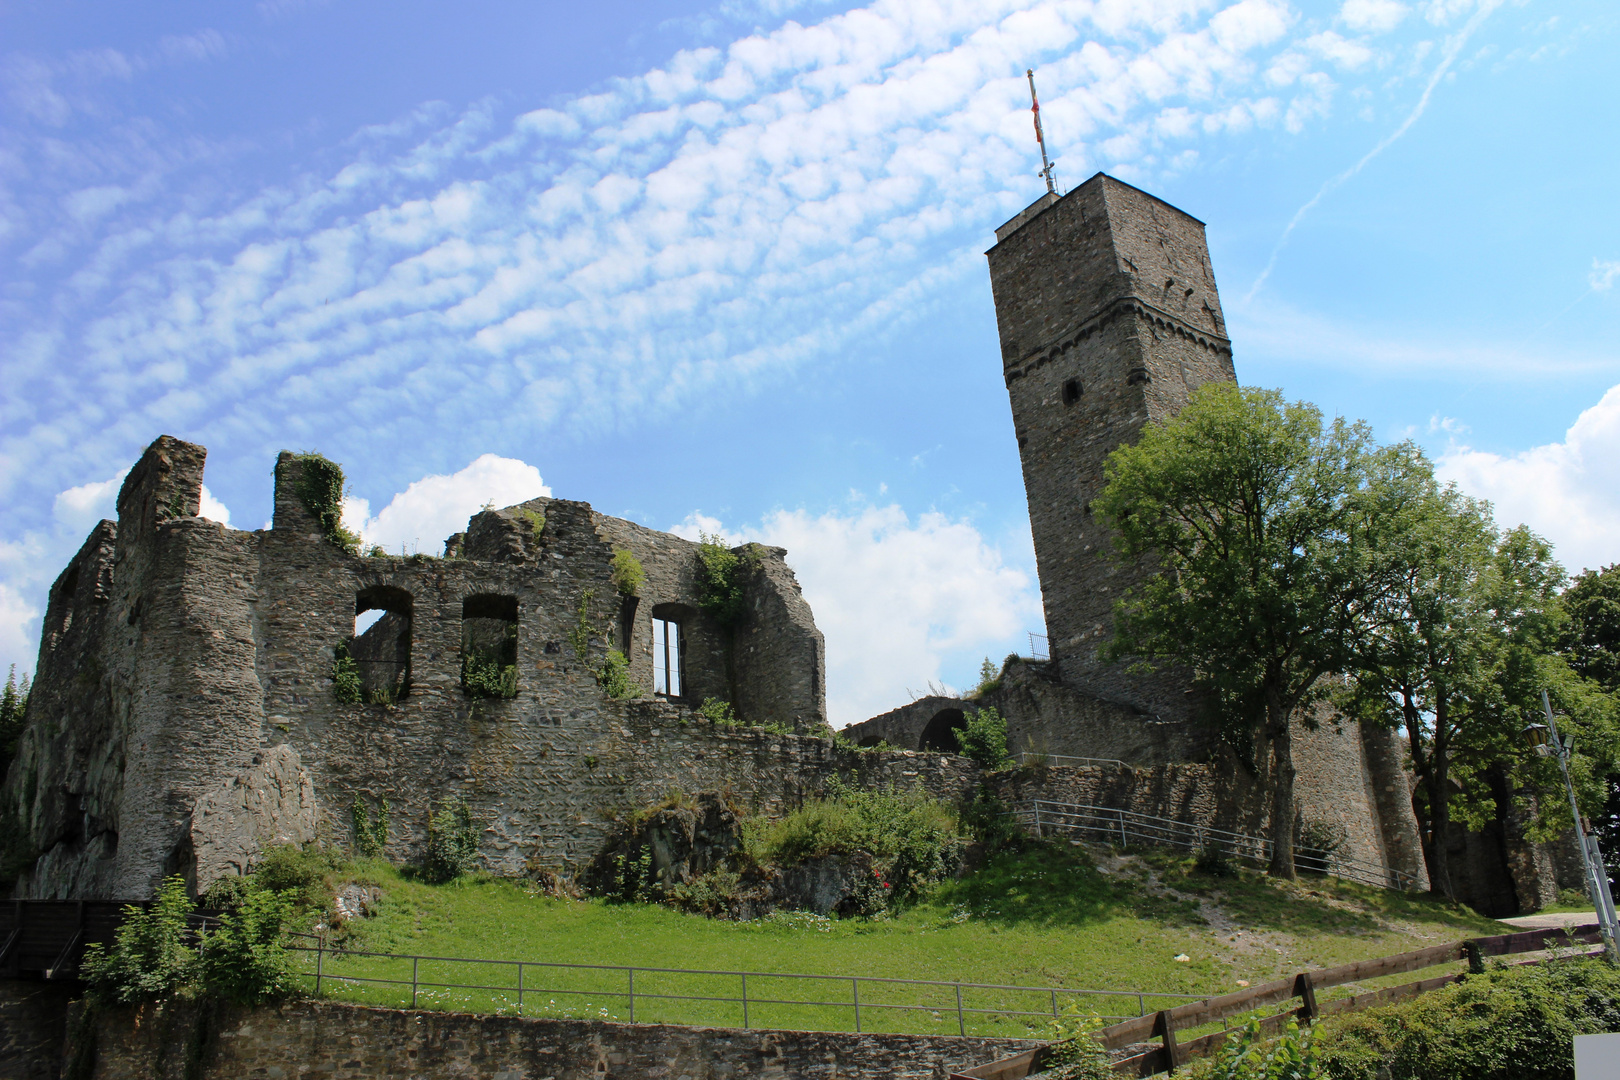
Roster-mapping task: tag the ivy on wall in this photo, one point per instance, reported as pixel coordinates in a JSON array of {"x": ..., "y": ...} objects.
[{"x": 320, "y": 488}]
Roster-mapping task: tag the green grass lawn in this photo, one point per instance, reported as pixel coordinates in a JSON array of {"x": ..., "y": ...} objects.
[{"x": 1056, "y": 916}]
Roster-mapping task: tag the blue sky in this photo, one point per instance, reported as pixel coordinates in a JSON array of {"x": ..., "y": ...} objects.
[{"x": 720, "y": 266}]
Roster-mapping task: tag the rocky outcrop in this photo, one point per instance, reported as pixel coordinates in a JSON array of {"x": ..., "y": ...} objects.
[{"x": 271, "y": 803}]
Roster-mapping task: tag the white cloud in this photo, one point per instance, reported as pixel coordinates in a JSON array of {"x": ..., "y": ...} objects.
[
  {"x": 79, "y": 508},
  {"x": 1372, "y": 16},
  {"x": 693, "y": 230},
  {"x": 213, "y": 509},
  {"x": 1567, "y": 491},
  {"x": 1603, "y": 274},
  {"x": 898, "y": 600},
  {"x": 426, "y": 513}
]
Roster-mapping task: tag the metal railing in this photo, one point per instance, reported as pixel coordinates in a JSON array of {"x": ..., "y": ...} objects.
[
  {"x": 1040, "y": 646},
  {"x": 1035, "y": 757},
  {"x": 528, "y": 981},
  {"x": 1128, "y": 828}
]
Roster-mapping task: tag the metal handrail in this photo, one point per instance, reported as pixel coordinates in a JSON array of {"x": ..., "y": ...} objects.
[
  {"x": 630, "y": 994},
  {"x": 1051, "y": 759},
  {"x": 1112, "y": 822}
]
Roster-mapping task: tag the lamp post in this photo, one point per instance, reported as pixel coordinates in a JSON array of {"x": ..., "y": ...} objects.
[{"x": 1544, "y": 740}]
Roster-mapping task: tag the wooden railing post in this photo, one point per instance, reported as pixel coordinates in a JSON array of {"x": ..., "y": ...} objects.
[
  {"x": 1306, "y": 992},
  {"x": 1165, "y": 1028},
  {"x": 320, "y": 960}
]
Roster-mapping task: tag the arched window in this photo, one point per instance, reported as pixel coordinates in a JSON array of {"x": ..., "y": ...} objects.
[
  {"x": 940, "y": 732},
  {"x": 381, "y": 646}
]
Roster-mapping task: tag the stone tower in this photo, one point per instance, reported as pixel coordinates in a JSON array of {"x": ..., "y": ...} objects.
[{"x": 1109, "y": 319}]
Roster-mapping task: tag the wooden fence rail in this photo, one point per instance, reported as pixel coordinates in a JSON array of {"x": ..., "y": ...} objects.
[{"x": 1164, "y": 1025}]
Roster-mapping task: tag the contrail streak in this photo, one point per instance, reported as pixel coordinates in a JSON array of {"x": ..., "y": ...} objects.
[{"x": 1449, "y": 54}]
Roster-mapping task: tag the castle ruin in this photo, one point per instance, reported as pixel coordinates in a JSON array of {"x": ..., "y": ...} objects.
[{"x": 184, "y": 713}]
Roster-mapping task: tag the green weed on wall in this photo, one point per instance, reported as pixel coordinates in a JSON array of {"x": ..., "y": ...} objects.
[{"x": 320, "y": 488}]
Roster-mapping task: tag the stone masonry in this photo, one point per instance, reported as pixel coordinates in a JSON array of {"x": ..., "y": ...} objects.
[{"x": 186, "y": 714}]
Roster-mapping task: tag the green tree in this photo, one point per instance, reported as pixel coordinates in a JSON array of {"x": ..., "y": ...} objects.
[
  {"x": 13, "y": 712},
  {"x": 984, "y": 738},
  {"x": 1266, "y": 527},
  {"x": 1426, "y": 663},
  {"x": 1590, "y": 645},
  {"x": 245, "y": 958}
]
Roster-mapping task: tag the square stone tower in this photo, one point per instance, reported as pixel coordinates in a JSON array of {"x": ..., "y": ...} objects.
[{"x": 1109, "y": 320}]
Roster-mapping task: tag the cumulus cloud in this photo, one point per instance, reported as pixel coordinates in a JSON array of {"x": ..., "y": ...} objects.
[
  {"x": 433, "y": 508},
  {"x": 1567, "y": 491},
  {"x": 899, "y": 600},
  {"x": 79, "y": 508}
]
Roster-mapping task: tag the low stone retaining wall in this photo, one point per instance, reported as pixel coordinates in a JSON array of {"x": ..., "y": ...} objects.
[{"x": 188, "y": 1041}]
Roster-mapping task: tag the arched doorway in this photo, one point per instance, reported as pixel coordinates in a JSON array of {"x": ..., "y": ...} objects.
[{"x": 939, "y": 734}]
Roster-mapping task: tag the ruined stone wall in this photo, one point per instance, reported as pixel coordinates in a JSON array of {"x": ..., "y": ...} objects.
[
  {"x": 186, "y": 712},
  {"x": 1109, "y": 319},
  {"x": 318, "y": 1038}
]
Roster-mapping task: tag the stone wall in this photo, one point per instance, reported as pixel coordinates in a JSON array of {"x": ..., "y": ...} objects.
[
  {"x": 33, "y": 1028},
  {"x": 340, "y": 1042},
  {"x": 185, "y": 711}
]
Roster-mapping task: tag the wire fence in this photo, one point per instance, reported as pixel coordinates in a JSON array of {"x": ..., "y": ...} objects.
[
  {"x": 695, "y": 997},
  {"x": 1040, "y": 646},
  {"x": 1130, "y": 829}
]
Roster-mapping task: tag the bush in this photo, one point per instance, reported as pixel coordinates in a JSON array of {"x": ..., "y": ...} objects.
[
  {"x": 986, "y": 818},
  {"x": 537, "y": 522},
  {"x": 627, "y": 572},
  {"x": 984, "y": 739},
  {"x": 150, "y": 957},
  {"x": 1315, "y": 845},
  {"x": 1075, "y": 1053},
  {"x": 1515, "y": 1023},
  {"x": 452, "y": 845},
  {"x": 484, "y": 676},
  {"x": 304, "y": 873},
  {"x": 720, "y": 573},
  {"x": 1248, "y": 1055},
  {"x": 989, "y": 679},
  {"x": 1215, "y": 861},
  {"x": 245, "y": 959},
  {"x": 346, "y": 685},
  {"x": 718, "y": 712},
  {"x": 913, "y": 839},
  {"x": 615, "y": 677}
]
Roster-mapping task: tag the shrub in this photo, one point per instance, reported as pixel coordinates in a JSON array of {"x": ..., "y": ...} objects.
[
  {"x": 1214, "y": 860},
  {"x": 716, "y": 711},
  {"x": 484, "y": 676},
  {"x": 1248, "y": 1055},
  {"x": 346, "y": 685},
  {"x": 986, "y": 818},
  {"x": 627, "y": 572},
  {"x": 452, "y": 843},
  {"x": 984, "y": 738},
  {"x": 304, "y": 873},
  {"x": 537, "y": 522},
  {"x": 1315, "y": 844},
  {"x": 1508, "y": 1023},
  {"x": 245, "y": 959},
  {"x": 150, "y": 957},
  {"x": 320, "y": 489},
  {"x": 914, "y": 840},
  {"x": 720, "y": 573},
  {"x": 370, "y": 830},
  {"x": 1075, "y": 1053},
  {"x": 615, "y": 677}
]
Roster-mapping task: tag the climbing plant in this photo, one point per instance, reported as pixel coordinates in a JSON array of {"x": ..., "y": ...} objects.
[
  {"x": 615, "y": 676},
  {"x": 452, "y": 842},
  {"x": 370, "y": 829},
  {"x": 320, "y": 489},
  {"x": 346, "y": 685}
]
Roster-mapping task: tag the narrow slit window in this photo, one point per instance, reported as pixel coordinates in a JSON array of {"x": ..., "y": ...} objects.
[{"x": 666, "y": 657}]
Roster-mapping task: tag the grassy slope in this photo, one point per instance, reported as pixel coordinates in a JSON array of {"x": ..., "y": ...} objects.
[{"x": 1055, "y": 916}]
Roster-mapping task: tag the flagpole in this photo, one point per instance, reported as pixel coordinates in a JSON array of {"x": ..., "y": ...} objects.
[{"x": 1040, "y": 137}]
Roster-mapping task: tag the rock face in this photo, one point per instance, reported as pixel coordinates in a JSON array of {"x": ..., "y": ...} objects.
[{"x": 272, "y": 803}]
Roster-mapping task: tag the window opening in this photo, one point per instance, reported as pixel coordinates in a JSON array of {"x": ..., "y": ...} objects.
[
  {"x": 489, "y": 633},
  {"x": 666, "y": 657},
  {"x": 381, "y": 645},
  {"x": 940, "y": 733},
  {"x": 1071, "y": 391}
]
